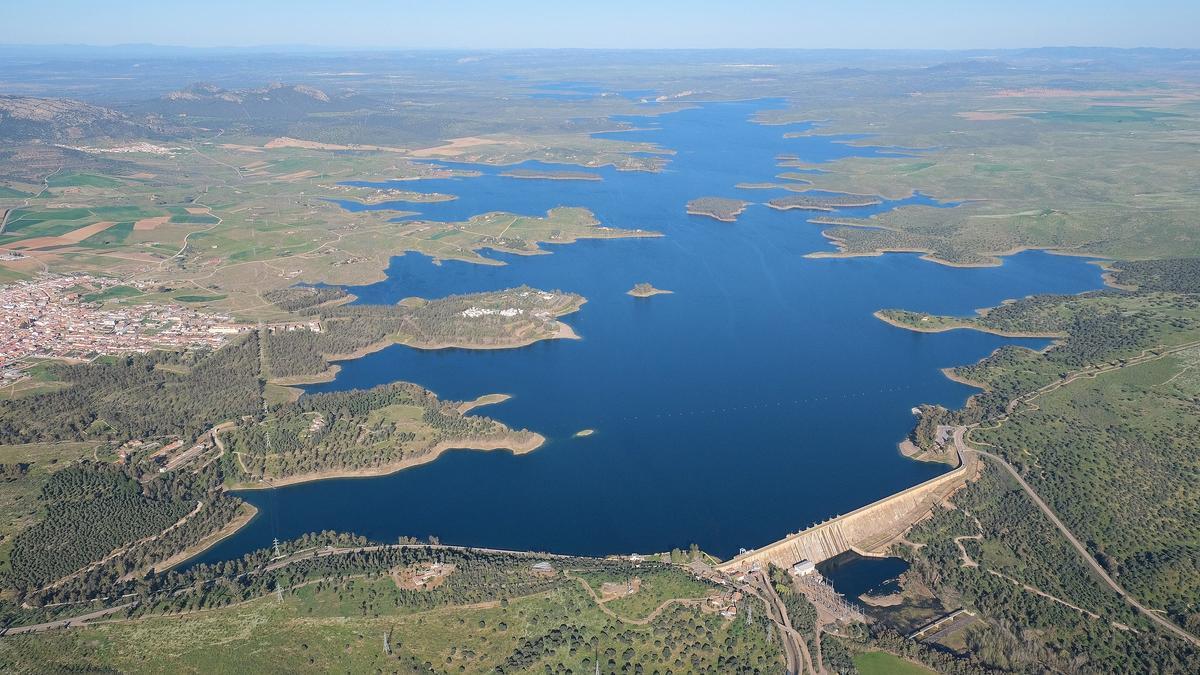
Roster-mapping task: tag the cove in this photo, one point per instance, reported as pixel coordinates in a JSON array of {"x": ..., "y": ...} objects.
[{"x": 761, "y": 397}]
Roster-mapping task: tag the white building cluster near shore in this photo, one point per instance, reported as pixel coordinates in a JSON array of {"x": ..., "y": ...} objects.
[{"x": 51, "y": 318}]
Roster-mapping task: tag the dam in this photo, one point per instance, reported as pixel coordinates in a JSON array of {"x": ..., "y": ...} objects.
[{"x": 866, "y": 530}]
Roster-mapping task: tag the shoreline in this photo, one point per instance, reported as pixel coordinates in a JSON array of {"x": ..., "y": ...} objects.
[
  {"x": 249, "y": 513},
  {"x": 822, "y": 207},
  {"x": 878, "y": 314},
  {"x": 696, "y": 207},
  {"x": 563, "y": 332},
  {"x": 534, "y": 442},
  {"x": 646, "y": 290},
  {"x": 949, "y": 373},
  {"x": 549, "y": 175},
  {"x": 731, "y": 219},
  {"x": 930, "y": 256},
  {"x": 487, "y": 399}
]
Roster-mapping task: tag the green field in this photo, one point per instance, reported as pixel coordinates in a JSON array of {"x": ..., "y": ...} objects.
[
  {"x": 1058, "y": 173},
  {"x": 349, "y": 622},
  {"x": 81, "y": 180},
  {"x": 200, "y": 298},
  {"x": 882, "y": 663},
  {"x": 113, "y": 293}
]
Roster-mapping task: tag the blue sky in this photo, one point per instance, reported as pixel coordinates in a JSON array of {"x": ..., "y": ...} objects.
[{"x": 940, "y": 24}]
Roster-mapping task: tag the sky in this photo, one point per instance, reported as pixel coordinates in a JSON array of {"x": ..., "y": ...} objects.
[{"x": 519, "y": 24}]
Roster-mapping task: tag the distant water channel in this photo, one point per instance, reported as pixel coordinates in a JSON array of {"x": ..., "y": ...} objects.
[{"x": 759, "y": 398}]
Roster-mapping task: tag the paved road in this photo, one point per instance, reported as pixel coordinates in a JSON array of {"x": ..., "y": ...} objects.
[
  {"x": 73, "y": 622},
  {"x": 793, "y": 645}
]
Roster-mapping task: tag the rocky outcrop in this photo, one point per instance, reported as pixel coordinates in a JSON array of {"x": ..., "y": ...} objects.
[{"x": 27, "y": 118}]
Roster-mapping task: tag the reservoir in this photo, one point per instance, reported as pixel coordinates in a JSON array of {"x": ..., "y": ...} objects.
[{"x": 759, "y": 398}]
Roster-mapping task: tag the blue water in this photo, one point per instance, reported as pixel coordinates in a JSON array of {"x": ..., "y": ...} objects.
[
  {"x": 853, "y": 575},
  {"x": 759, "y": 398}
]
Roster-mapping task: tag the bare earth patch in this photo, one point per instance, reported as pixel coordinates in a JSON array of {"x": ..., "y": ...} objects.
[
  {"x": 456, "y": 146},
  {"x": 72, "y": 237},
  {"x": 150, "y": 223},
  {"x": 286, "y": 142},
  {"x": 613, "y": 590},
  {"x": 423, "y": 576}
]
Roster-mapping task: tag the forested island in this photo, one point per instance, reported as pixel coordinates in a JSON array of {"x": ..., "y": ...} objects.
[
  {"x": 645, "y": 290},
  {"x": 720, "y": 208}
]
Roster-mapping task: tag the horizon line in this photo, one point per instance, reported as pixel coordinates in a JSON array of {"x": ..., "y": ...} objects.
[{"x": 378, "y": 48}]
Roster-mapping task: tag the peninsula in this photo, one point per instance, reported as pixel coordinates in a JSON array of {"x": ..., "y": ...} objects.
[
  {"x": 551, "y": 175},
  {"x": 823, "y": 203},
  {"x": 363, "y": 433},
  {"x": 503, "y": 319}
]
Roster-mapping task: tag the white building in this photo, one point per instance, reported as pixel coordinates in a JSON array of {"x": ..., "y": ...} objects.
[{"x": 803, "y": 568}]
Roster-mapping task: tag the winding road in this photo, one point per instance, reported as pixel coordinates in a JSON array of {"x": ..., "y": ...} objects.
[
  {"x": 960, "y": 443},
  {"x": 1087, "y": 557}
]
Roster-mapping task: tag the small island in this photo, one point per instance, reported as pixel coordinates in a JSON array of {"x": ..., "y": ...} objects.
[
  {"x": 823, "y": 203},
  {"x": 551, "y": 175},
  {"x": 583, "y": 433},
  {"x": 645, "y": 290},
  {"x": 720, "y": 208}
]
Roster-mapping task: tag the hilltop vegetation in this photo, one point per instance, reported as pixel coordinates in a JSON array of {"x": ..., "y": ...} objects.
[
  {"x": 493, "y": 612},
  {"x": 1009, "y": 548},
  {"x": 230, "y": 195},
  {"x": 120, "y": 511},
  {"x": 718, "y": 208},
  {"x": 380, "y": 429},
  {"x": 158, "y": 394},
  {"x": 1111, "y": 450}
]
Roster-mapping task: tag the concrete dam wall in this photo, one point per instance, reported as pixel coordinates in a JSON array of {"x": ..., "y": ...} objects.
[{"x": 864, "y": 530}]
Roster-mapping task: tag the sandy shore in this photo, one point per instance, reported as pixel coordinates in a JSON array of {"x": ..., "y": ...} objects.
[
  {"x": 731, "y": 219},
  {"x": 955, "y": 377},
  {"x": 487, "y": 399},
  {"x": 564, "y": 332},
  {"x": 533, "y": 442}
]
